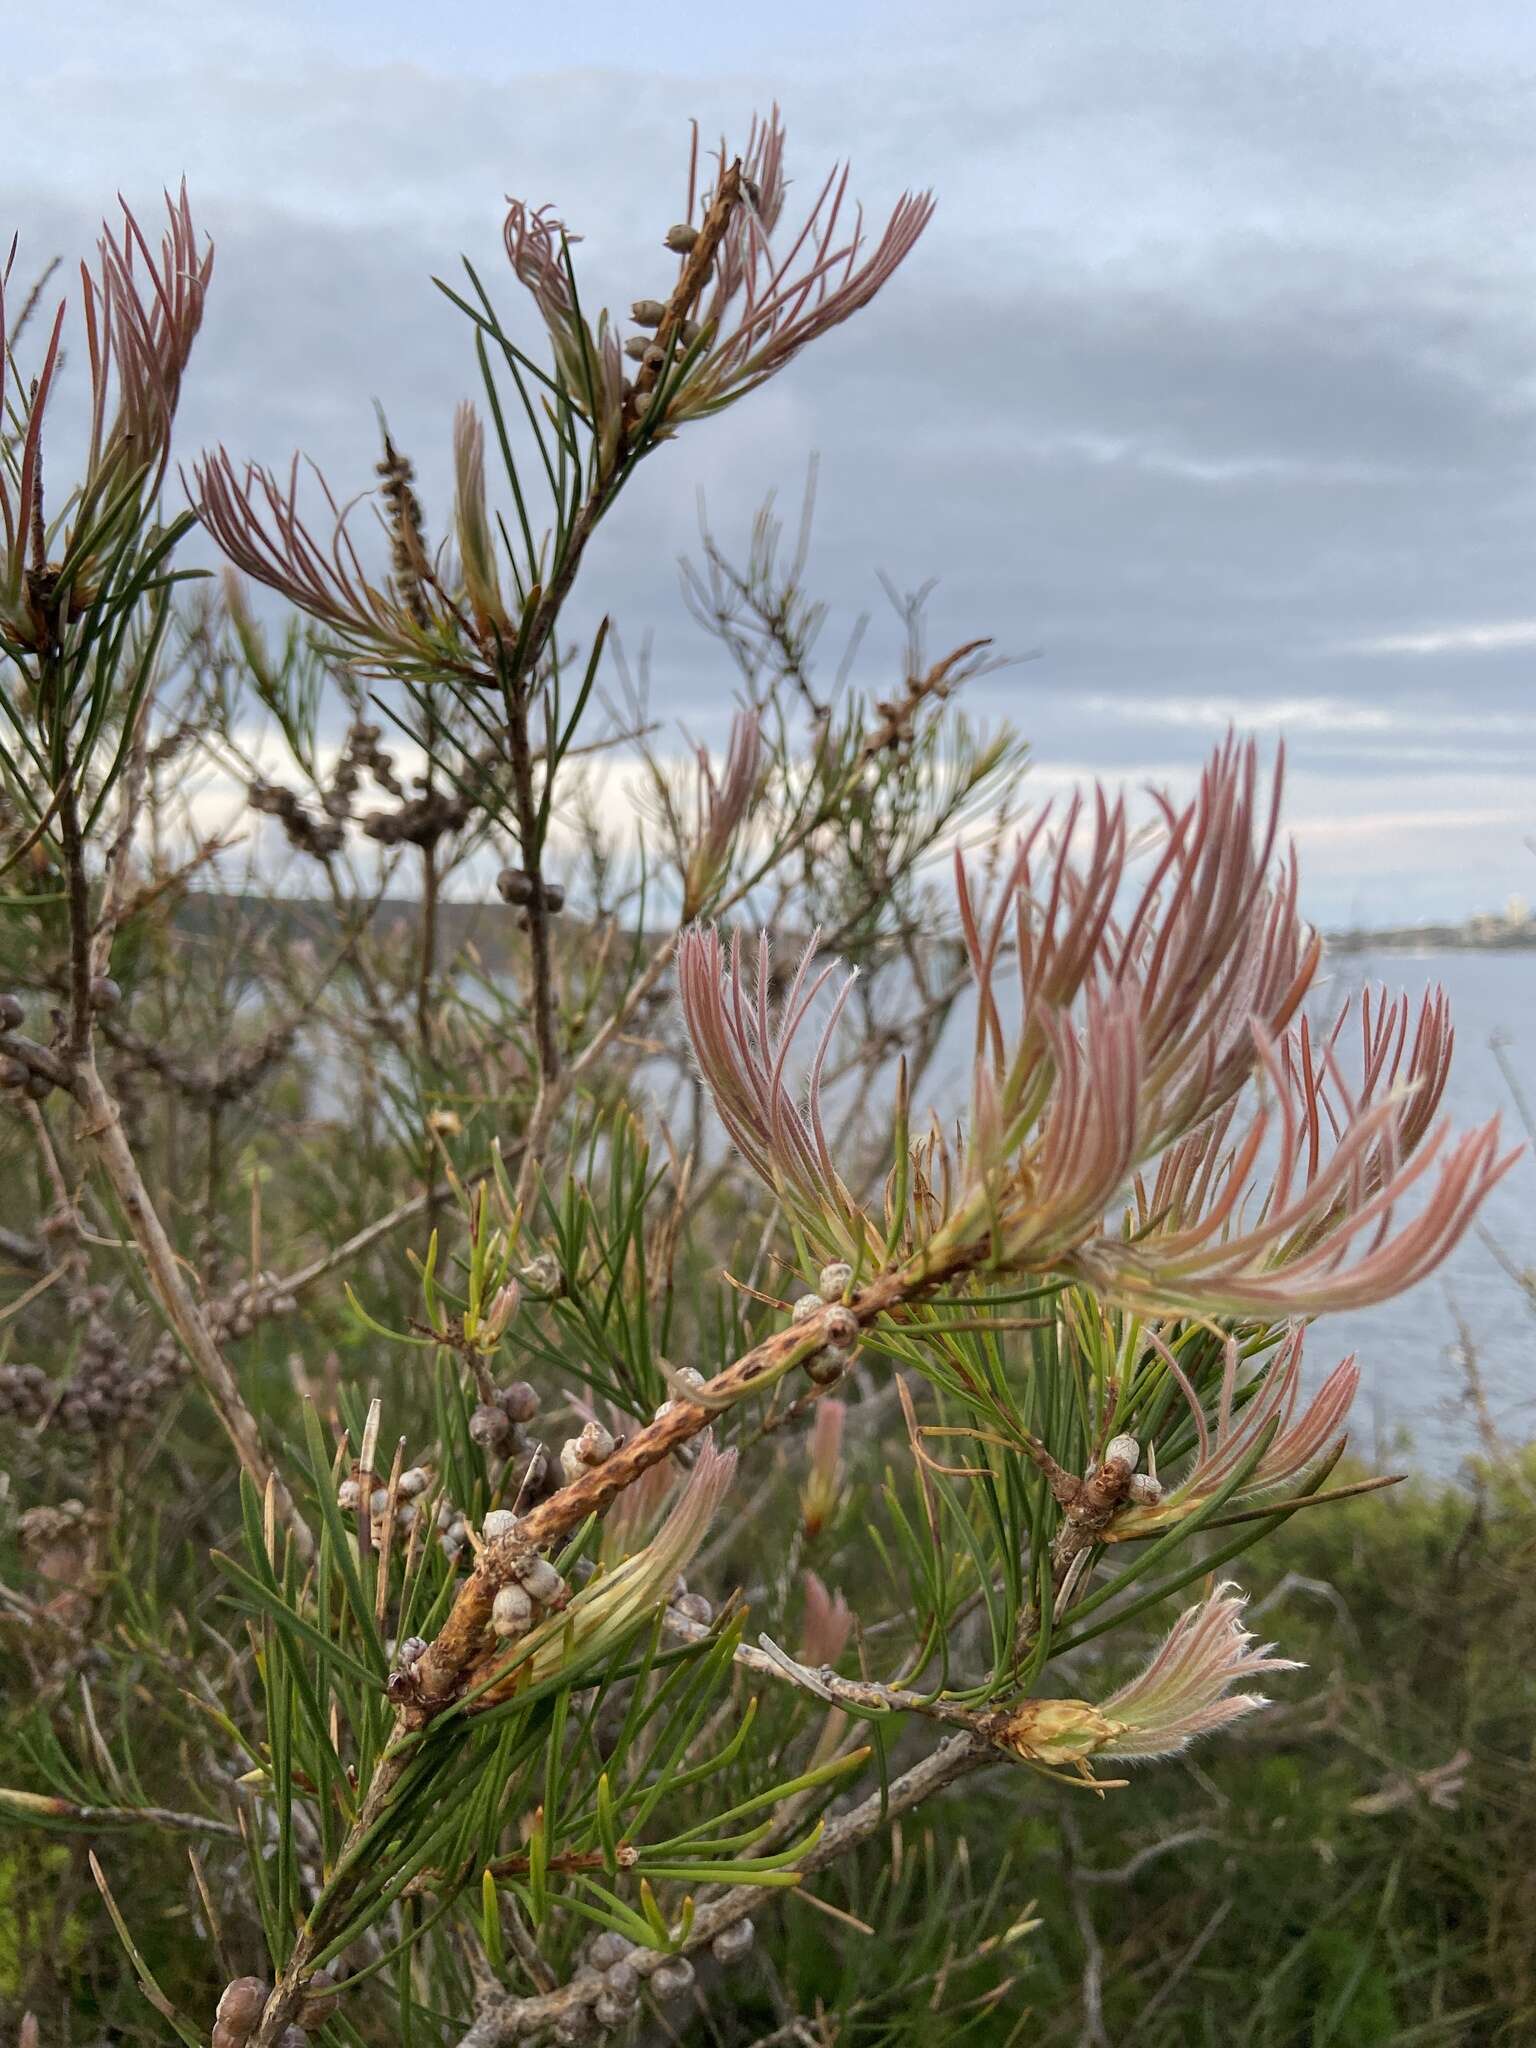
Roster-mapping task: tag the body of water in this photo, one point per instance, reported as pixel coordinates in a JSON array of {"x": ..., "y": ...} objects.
[
  {"x": 1414, "y": 1403},
  {"x": 1415, "y": 1388}
]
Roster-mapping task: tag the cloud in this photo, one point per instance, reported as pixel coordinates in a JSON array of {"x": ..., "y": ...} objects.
[
  {"x": 1212, "y": 379},
  {"x": 1493, "y": 637}
]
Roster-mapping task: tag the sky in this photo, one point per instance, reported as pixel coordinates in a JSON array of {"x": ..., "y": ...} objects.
[{"x": 1211, "y": 388}]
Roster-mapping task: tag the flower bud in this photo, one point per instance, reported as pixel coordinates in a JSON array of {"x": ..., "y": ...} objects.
[
  {"x": 378, "y": 1500},
  {"x": 637, "y": 348},
  {"x": 1144, "y": 1490},
  {"x": 11, "y": 1012},
  {"x": 226, "y": 2036},
  {"x": 416, "y": 1479},
  {"x": 105, "y": 993},
  {"x": 680, "y": 239},
  {"x": 1122, "y": 1450},
  {"x": 833, "y": 1281},
  {"x": 501, "y": 1311},
  {"x": 648, "y": 312},
  {"x": 413, "y": 1648},
  {"x": 348, "y": 1494},
  {"x": 515, "y": 886},
  {"x": 499, "y": 1523},
  {"x": 807, "y": 1306},
  {"x": 694, "y": 1607}
]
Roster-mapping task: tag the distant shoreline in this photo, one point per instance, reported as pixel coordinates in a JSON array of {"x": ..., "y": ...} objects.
[
  {"x": 1436, "y": 938},
  {"x": 488, "y": 927}
]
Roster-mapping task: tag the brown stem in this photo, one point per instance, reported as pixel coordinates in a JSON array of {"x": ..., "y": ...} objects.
[
  {"x": 445, "y": 1666},
  {"x": 79, "y": 920},
  {"x": 505, "y": 2019},
  {"x": 102, "y": 1128}
]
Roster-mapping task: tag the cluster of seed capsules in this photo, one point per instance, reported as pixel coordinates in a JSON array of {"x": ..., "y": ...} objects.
[
  {"x": 16, "y": 1077},
  {"x": 608, "y": 1968},
  {"x": 840, "y": 1326}
]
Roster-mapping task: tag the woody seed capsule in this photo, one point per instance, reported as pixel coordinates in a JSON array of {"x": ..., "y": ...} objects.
[
  {"x": 490, "y": 1427},
  {"x": 319, "y": 2001},
  {"x": 520, "y": 1401},
  {"x": 511, "y": 1612},
  {"x": 540, "y": 1580},
  {"x": 841, "y": 1327},
  {"x": 672, "y": 1978},
  {"x": 240, "y": 2003},
  {"x": 826, "y": 1368},
  {"x": 606, "y": 1949},
  {"x": 733, "y": 1942},
  {"x": 833, "y": 1281}
]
